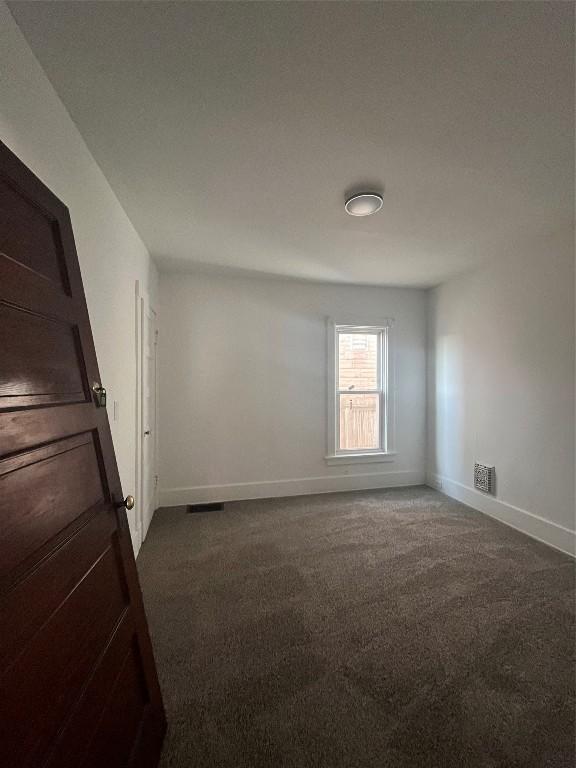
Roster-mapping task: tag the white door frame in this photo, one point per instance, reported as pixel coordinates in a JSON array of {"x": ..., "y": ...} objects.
[{"x": 143, "y": 306}]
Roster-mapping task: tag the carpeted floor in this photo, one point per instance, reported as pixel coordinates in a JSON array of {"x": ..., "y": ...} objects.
[{"x": 390, "y": 629}]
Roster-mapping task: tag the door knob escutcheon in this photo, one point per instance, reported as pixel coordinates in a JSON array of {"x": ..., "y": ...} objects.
[{"x": 128, "y": 502}]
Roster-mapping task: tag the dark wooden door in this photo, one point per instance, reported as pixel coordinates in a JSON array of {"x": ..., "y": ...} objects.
[{"x": 78, "y": 685}]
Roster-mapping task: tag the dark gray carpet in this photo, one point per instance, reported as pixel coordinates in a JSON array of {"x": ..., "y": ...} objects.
[{"x": 393, "y": 629}]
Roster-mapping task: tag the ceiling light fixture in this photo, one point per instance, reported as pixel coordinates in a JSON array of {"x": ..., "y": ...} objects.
[{"x": 364, "y": 204}]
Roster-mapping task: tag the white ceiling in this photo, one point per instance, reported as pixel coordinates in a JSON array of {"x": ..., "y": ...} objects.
[{"x": 231, "y": 132}]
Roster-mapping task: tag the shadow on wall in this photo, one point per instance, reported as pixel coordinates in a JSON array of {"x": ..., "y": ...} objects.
[{"x": 448, "y": 406}]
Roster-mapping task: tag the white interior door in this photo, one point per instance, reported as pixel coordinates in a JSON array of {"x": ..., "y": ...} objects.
[{"x": 148, "y": 475}]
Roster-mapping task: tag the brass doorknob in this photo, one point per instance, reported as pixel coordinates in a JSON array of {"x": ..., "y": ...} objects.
[{"x": 128, "y": 502}]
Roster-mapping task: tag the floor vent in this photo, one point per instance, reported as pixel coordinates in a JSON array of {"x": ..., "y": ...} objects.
[
  {"x": 214, "y": 506},
  {"x": 484, "y": 478}
]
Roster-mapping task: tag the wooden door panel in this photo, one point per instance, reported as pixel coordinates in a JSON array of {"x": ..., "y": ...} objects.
[
  {"x": 122, "y": 717},
  {"x": 33, "y": 601},
  {"x": 23, "y": 429},
  {"x": 47, "y": 351},
  {"x": 43, "y": 683},
  {"x": 31, "y": 236},
  {"x": 75, "y": 740},
  {"x": 29, "y": 290},
  {"x": 77, "y": 674},
  {"x": 42, "y": 492}
]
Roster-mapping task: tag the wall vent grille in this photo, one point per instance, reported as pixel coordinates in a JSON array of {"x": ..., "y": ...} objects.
[{"x": 484, "y": 478}]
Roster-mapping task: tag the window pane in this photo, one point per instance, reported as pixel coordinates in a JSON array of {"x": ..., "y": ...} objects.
[
  {"x": 359, "y": 422},
  {"x": 358, "y": 361}
]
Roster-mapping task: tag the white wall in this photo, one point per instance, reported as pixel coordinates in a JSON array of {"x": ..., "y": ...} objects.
[
  {"x": 243, "y": 386},
  {"x": 501, "y": 387},
  {"x": 35, "y": 125}
]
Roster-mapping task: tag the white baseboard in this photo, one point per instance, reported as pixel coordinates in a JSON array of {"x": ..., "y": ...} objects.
[
  {"x": 173, "y": 497},
  {"x": 536, "y": 527}
]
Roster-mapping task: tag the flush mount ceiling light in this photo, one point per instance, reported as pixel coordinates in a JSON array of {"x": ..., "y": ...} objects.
[{"x": 364, "y": 204}]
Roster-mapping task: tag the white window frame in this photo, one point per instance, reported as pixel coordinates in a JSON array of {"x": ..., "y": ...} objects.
[{"x": 386, "y": 390}]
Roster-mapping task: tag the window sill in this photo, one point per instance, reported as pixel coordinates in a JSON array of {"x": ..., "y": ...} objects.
[{"x": 360, "y": 458}]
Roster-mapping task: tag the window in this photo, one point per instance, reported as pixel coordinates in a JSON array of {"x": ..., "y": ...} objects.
[{"x": 360, "y": 395}]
